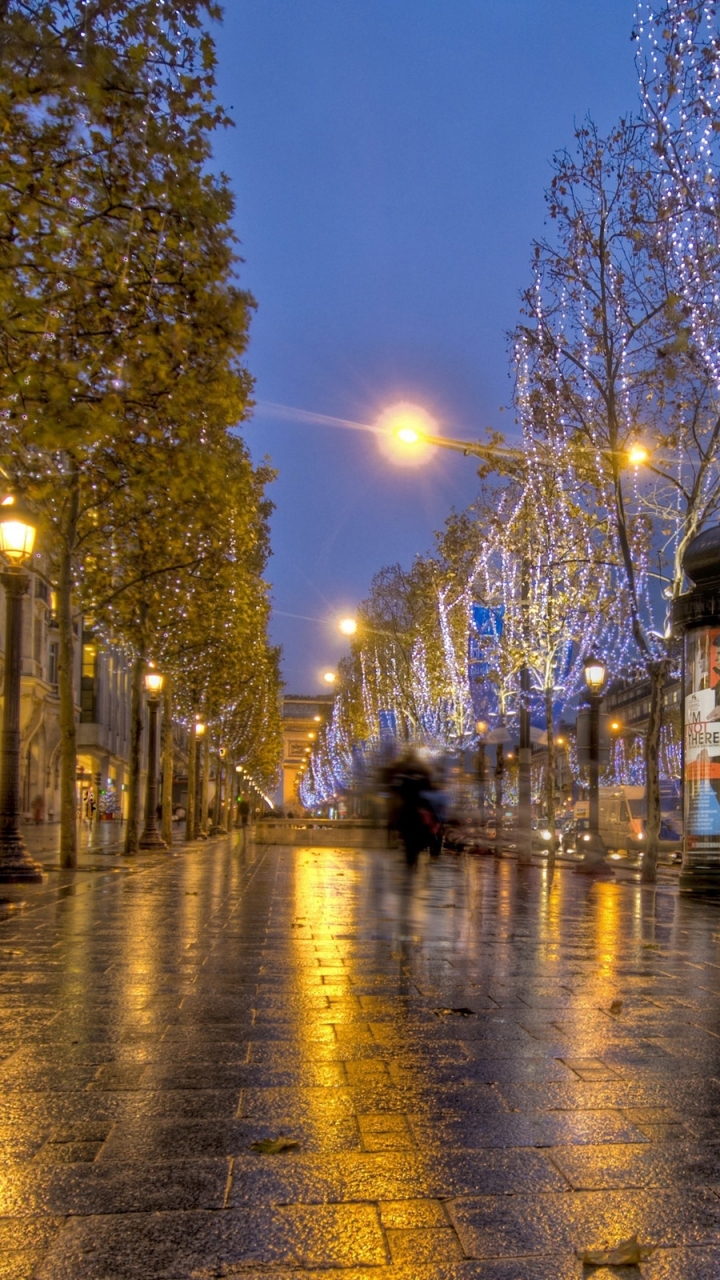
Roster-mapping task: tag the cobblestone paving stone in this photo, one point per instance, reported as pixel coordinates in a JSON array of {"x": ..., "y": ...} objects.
[{"x": 160, "y": 1017}]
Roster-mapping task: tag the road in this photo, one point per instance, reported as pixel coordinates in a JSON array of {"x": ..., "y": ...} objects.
[{"x": 483, "y": 1071}]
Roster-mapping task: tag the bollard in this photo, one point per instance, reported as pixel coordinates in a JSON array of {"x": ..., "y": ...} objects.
[{"x": 696, "y": 616}]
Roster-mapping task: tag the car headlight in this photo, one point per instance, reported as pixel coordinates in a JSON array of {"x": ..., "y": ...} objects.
[
  {"x": 546, "y": 835},
  {"x": 586, "y": 837}
]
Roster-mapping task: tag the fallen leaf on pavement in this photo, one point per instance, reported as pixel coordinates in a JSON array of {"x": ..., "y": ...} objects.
[
  {"x": 627, "y": 1253},
  {"x": 273, "y": 1146},
  {"x": 616, "y": 1006},
  {"x": 463, "y": 1012}
]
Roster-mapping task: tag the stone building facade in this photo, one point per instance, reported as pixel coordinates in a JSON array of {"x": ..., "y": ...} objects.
[{"x": 102, "y": 684}]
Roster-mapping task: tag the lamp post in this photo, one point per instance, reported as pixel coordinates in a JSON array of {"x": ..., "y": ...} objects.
[
  {"x": 218, "y": 826},
  {"x": 151, "y": 838},
  {"x": 17, "y": 538},
  {"x": 595, "y": 675},
  {"x": 481, "y": 729},
  {"x": 200, "y": 769}
]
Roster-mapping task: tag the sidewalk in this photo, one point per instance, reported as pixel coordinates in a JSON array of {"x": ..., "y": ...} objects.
[
  {"x": 95, "y": 841},
  {"x": 482, "y": 1072}
]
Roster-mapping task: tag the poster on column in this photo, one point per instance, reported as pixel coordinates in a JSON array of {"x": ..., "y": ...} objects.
[{"x": 702, "y": 739}]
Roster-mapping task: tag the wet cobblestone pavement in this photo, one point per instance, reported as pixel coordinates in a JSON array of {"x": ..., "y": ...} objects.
[{"x": 446, "y": 1047}]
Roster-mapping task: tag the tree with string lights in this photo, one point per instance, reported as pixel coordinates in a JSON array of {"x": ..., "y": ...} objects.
[
  {"x": 543, "y": 565},
  {"x": 188, "y": 542},
  {"x": 605, "y": 312},
  {"x": 117, "y": 260}
]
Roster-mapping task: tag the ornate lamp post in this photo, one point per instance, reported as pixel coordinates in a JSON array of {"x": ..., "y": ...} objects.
[
  {"x": 199, "y": 832},
  {"x": 151, "y": 838},
  {"x": 17, "y": 539},
  {"x": 595, "y": 677},
  {"x": 218, "y": 827},
  {"x": 481, "y": 729}
]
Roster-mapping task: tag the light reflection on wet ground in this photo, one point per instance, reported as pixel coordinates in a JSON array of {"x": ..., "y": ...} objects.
[{"x": 483, "y": 1071}]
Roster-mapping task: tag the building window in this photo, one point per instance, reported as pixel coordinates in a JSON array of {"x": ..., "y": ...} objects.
[
  {"x": 88, "y": 683},
  {"x": 89, "y": 659}
]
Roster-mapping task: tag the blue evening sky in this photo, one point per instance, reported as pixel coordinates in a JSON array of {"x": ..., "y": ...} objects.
[{"x": 389, "y": 160}]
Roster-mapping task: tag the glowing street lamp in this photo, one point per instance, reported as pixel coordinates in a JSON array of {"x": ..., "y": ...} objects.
[
  {"x": 407, "y": 433},
  {"x": 638, "y": 454},
  {"x": 17, "y": 539},
  {"x": 329, "y": 677},
  {"x": 154, "y": 683},
  {"x": 17, "y": 532},
  {"x": 151, "y": 838},
  {"x": 347, "y": 626},
  {"x": 595, "y": 673}
]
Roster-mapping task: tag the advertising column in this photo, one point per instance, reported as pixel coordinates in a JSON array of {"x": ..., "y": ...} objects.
[
  {"x": 702, "y": 743},
  {"x": 696, "y": 616}
]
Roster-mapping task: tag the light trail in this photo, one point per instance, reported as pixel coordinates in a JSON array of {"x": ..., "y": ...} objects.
[{"x": 316, "y": 419}]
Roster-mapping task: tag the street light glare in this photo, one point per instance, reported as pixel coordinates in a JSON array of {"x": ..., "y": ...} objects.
[
  {"x": 408, "y": 435},
  {"x": 329, "y": 677},
  {"x": 348, "y": 626},
  {"x": 638, "y": 454},
  {"x": 404, "y": 430}
]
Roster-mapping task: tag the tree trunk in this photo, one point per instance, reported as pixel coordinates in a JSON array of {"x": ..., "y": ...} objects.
[
  {"x": 230, "y": 776},
  {"x": 167, "y": 762},
  {"x": 217, "y": 812},
  {"x": 550, "y": 779},
  {"x": 657, "y": 671},
  {"x": 203, "y": 824},
  {"x": 66, "y": 677},
  {"x": 191, "y": 775},
  {"x": 132, "y": 833}
]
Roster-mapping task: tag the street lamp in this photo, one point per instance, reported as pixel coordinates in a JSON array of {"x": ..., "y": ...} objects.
[
  {"x": 347, "y": 626},
  {"x": 329, "y": 677},
  {"x": 17, "y": 539},
  {"x": 481, "y": 728},
  {"x": 595, "y": 673},
  {"x": 151, "y": 838},
  {"x": 218, "y": 828},
  {"x": 407, "y": 433},
  {"x": 200, "y": 772},
  {"x": 638, "y": 454}
]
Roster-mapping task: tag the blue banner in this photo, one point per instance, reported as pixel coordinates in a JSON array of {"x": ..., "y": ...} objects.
[{"x": 488, "y": 627}]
